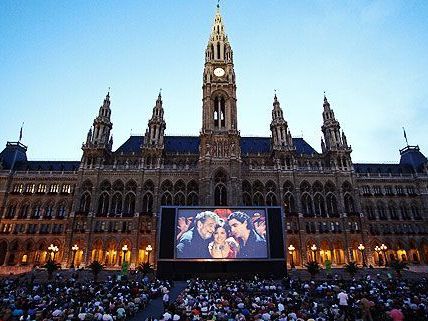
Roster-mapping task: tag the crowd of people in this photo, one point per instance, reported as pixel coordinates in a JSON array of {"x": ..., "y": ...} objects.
[
  {"x": 65, "y": 298},
  {"x": 368, "y": 299},
  {"x": 72, "y": 299}
]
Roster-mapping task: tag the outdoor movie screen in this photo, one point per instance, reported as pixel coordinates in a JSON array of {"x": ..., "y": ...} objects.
[{"x": 221, "y": 234}]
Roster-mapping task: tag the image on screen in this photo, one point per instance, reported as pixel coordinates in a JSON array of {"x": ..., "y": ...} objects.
[{"x": 221, "y": 234}]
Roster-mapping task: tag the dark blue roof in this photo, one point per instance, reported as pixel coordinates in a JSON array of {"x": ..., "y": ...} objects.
[
  {"x": 12, "y": 154},
  {"x": 412, "y": 157},
  {"x": 302, "y": 147},
  {"x": 383, "y": 168},
  {"x": 66, "y": 166},
  {"x": 190, "y": 144},
  {"x": 133, "y": 144},
  {"x": 182, "y": 144}
]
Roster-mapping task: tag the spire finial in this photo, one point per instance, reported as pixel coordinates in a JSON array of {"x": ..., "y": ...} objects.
[
  {"x": 108, "y": 92},
  {"x": 218, "y": 4}
]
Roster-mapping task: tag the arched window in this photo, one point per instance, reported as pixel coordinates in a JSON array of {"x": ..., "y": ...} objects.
[
  {"x": 332, "y": 205},
  {"x": 271, "y": 199},
  {"x": 129, "y": 205},
  {"x": 61, "y": 210},
  {"x": 220, "y": 195},
  {"x": 85, "y": 203},
  {"x": 192, "y": 199},
  {"x": 319, "y": 205},
  {"x": 116, "y": 204},
  {"x": 381, "y": 210},
  {"x": 289, "y": 204},
  {"x": 179, "y": 199},
  {"x": 258, "y": 199},
  {"x": 148, "y": 203},
  {"x": 349, "y": 204},
  {"x": 307, "y": 205},
  {"x": 392, "y": 209},
  {"x": 103, "y": 204},
  {"x": 166, "y": 199},
  {"x": 220, "y": 189}
]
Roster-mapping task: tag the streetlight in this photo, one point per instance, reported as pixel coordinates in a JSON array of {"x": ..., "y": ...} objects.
[
  {"x": 291, "y": 250},
  {"x": 149, "y": 249},
  {"x": 53, "y": 249},
  {"x": 378, "y": 250},
  {"x": 74, "y": 248},
  {"x": 124, "y": 250},
  {"x": 383, "y": 248},
  {"x": 361, "y": 247},
  {"x": 314, "y": 248}
]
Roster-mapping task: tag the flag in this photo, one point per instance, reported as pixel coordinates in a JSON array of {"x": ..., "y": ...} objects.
[
  {"x": 405, "y": 136},
  {"x": 20, "y": 133}
]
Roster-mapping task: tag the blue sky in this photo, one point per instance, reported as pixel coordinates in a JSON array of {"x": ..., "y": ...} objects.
[{"x": 57, "y": 59}]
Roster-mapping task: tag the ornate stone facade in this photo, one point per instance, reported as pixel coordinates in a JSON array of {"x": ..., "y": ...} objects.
[{"x": 109, "y": 198}]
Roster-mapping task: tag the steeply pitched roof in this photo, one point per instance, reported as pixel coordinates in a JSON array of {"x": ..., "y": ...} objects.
[
  {"x": 394, "y": 169},
  {"x": 190, "y": 144},
  {"x": 60, "y": 166}
]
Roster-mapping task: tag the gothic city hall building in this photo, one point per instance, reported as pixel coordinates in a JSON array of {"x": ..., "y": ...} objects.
[{"x": 112, "y": 198}]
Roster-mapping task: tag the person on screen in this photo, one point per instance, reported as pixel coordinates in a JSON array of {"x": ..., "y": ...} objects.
[
  {"x": 223, "y": 246},
  {"x": 251, "y": 244},
  {"x": 259, "y": 223},
  {"x": 194, "y": 243}
]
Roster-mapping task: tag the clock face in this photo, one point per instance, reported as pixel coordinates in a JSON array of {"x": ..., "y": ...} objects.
[{"x": 219, "y": 72}]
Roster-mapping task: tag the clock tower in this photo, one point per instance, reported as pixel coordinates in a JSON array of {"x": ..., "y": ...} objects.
[{"x": 220, "y": 155}]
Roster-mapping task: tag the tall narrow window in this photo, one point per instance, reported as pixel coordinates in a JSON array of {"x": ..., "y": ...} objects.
[
  {"x": 216, "y": 115},
  {"x": 218, "y": 50},
  {"x": 222, "y": 112}
]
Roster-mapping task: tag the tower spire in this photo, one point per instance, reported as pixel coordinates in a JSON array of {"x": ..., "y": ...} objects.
[{"x": 281, "y": 136}]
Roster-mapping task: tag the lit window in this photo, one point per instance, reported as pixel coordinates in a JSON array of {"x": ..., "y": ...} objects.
[
  {"x": 41, "y": 188},
  {"x": 54, "y": 188},
  {"x": 18, "y": 188}
]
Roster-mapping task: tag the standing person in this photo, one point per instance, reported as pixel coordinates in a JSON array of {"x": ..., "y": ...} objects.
[
  {"x": 343, "y": 303},
  {"x": 193, "y": 244},
  {"x": 223, "y": 246},
  {"x": 395, "y": 314},
  {"x": 251, "y": 244},
  {"x": 165, "y": 300},
  {"x": 366, "y": 304}
]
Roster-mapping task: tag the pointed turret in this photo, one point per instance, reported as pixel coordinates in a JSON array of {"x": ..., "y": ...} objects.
[
  {"x": 331, "y": 129},
  {"x": 98, "y": 145},
  {"x": 281, "y": 136},
  {"x": 156, "y": 126},
  {"x": 334, "y": 145},
  {"x": 102, "y": 124},
  {"x": 218, "y": 48}
]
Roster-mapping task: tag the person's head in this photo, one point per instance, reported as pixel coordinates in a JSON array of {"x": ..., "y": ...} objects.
[
  {"x": 221, "y": 232},
  {"x": 205, "y": 223},
  {"x": 240, "y": 224}
]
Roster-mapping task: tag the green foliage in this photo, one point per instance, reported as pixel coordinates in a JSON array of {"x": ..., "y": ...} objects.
[
  {"x": 313, "y": 268},
  {"x": 398, "y": 266},
  {"x": 51, "y": 267},
  {"x": 146, "y": 268},
  {"x": 96, "y": 268},
  {"x": 351, "y": 268}
]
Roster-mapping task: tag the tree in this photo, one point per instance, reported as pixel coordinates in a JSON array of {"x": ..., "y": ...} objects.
[
  {"x": 96, "y": 268},
  {"x": 313, "y": 268},
  {"x": 146, "y": 268},
  {"x": 351, "y": 268},
  {"x": 51, "y": 267},
  {"x": 398, "y": 266}
]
